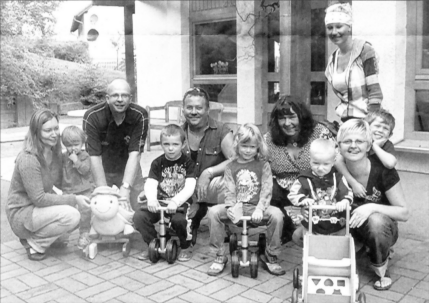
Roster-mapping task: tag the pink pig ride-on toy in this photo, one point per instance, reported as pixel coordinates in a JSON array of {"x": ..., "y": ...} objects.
[
  {"x": 329, "y": 265},
  {"x": 242, "y": 247},
  {"x": 110, "y": 223},
  {"x": 163, "y": 246}
]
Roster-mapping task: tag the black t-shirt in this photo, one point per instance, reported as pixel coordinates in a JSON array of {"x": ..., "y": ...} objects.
[
  {"x": 387, "y": 147},
  {"x": 380, "y": 180},
  {"x": 171, "y": 175}
]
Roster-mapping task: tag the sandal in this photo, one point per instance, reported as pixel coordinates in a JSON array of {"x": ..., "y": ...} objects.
[
  {"x": 143, "y": 256},
  {"x": 31, "y": 253},
  {"x": 221, "y": 260},
  {"x": 185, "y": 255},
  {"x": 270, "y": 264},
  {"x": 377, "y": 284}
]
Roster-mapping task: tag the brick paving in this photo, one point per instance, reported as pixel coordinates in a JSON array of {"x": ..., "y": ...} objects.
[{"x": 67, "y": 276}]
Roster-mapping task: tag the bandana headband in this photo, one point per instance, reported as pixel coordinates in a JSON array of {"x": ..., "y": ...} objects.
[{"x": 339, "y": 13}]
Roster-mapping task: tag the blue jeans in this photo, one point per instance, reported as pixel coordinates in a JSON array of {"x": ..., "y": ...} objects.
[
  {"x": 217, "y": 227},
  {"x": 379, "y": 233},
  {"x": 50, "y": 223}
]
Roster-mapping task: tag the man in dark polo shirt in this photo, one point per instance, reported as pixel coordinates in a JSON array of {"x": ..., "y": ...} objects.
[{"x": 116, "y": 131}]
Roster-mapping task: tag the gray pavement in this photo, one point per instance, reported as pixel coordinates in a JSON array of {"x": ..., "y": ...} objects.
[{"x": 67, "y": 276}]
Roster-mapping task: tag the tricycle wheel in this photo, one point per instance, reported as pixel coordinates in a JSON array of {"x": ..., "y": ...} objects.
[
  {"x": 171, "y": 251},
  {"x": 294, "y": 296},
  {"x": 233, "y": 243},
  {"x": 361, "y": 297},
  {"x": 254, "y": 261},
  {"x": 235, "y": 264},
  {"x": 262, "y": 243},
  {"x": 296, "y": 283},
  {"x": 154, "y": 250},
  {"x": 126, "y": 248}
]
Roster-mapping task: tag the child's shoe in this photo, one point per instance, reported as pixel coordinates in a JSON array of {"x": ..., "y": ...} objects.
[
  {"x": 185, "y": 254},
  {"x": 144, "y": 255},
  {"x": 83, "y": 240},
  {"x": 270, "y": 263}
]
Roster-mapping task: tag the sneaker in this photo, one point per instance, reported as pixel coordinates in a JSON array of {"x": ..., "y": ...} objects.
[
  {"x": 143, "y": 256},
  {"x": 83, "y": 240},
  {"x": 270, "y": 264}
]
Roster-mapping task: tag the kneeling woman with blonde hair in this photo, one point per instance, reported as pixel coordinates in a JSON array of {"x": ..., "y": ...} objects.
[{"x": 374, "y": 217}]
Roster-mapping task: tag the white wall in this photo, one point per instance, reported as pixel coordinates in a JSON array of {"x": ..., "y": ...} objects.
[
  {"x": 382, "y": 23},
  {"x": 157, "y": 39}
]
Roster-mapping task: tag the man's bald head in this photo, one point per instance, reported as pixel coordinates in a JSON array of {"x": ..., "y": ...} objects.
[{"x": 118, "y": 83}]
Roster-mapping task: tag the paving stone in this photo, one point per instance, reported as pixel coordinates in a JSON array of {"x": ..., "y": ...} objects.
[
  {"x": 96, "y": 289},
  {"x": 246, "y": 281},
  {"x": 133, "y": 262},
  {"x": 142, "y": 277},
  {"x": 18, "y": 258},
  {"x": 387, "y": 294},
  {"x": 12, "y": 254},
  {"x": 113, "y": 301},
  {"x": 13, "y": 274},
  {"x": 108, "y": 294},
  {"x": 124, "y": 269},
  {"x": 87, "y": 278},
  {"x": 275, "y": 300},
  {"x": 32, "y": 280},
  {"x": 407, "y": 273},
  {"x": 32, "y": 265},
  {"x": 13, "y": 299},
  {"x": 256, "y": 296},
  {"x": 52, "y": 270},
  {"x": 168, "y": 293},
  {"x": 100, "y": 260},
  {"x": 373, "y": 299},
  {"x": 10, "y": 267},
  {"x": 213, "y": 287},
  {"x": 404, "y": 285},
  {"x": 71, "y": 298},
  {"x": 239, "y": 299},
  {"x": 192, "y": 297},
  {"x": 4, "y": 249},
  {"x": 271, "y": 285},
  {"x": 229, "y": 292},
  {"x": 191, "y": 263},
  {"x": 171, "y": 271},
  {"x": 411, "y": 299},
  {"x": 157, "y": 287},
  {"x": 82, "y": 264},
  {"x": 185, "y": 281},
  {"x": 70, "y": 284},
  {"x": 51, "y": 261},
  {"x": 420, "y": 293},
  {"x": 34, "y": 292},
  {"x": 412, "y": 265},
  {"x": 198, "y": 276},
  {"x": 52, "y": 295},
  {"x": 127, "y": 283},
  {"x": 4, "y": 262},
  {"x": 15, "y": 245},
  {"x": 283, "y": 293},
  {"x": 4, "y": 292},
  {"x": 106, "y": 268},
  {"x": 153, "y": 268},
  {"x": 202, "y": 258},
  {"x": 133, "y": 297},
  {"x": 15, "y": 286},
  {"x": 423, "y": 285},
  {"x": 176, "y": 300},
  {"x": 62, "y": 274}
]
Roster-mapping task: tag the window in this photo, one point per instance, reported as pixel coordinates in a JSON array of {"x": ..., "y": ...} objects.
[
  {"x": 215, "y": 60},
  {"x": 421, "y": 114}
]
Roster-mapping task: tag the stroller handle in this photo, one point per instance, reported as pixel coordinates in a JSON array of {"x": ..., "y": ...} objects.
[{"x": 327, "y": 207}]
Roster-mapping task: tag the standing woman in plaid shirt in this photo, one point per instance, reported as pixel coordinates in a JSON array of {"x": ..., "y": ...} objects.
[{"x": 352, "y": 68}]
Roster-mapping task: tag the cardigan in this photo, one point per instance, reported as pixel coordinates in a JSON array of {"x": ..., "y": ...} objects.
[
  {"x": 32, "y": 186},
  {"x": 363, "y": 88}
]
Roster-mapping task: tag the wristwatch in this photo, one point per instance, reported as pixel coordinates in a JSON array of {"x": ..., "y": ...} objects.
[{"x": 126, "y": 185}]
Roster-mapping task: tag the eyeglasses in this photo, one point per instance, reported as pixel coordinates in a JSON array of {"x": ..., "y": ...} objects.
[
  {"x": 350, "y": 142},
  {"x": 123, "y": 96}
]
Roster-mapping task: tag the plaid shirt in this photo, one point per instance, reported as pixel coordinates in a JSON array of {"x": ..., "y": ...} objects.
[{"x": 363, "y": 89}]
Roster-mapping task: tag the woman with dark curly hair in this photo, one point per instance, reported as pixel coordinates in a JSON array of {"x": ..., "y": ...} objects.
[{"x": 291, "y": 131}]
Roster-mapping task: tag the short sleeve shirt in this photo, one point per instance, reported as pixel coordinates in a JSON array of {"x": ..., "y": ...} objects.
[
  {"x": 171, "y": 175},
  {"x": 380, "y": 180},
  {"x": 387, "y": 147},
  {"x": 111, "y": 141}
]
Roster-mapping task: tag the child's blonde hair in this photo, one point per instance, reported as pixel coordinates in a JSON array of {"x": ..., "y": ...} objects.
[
  {"x": 73, "y": 134},
  {"x": 245, "y": 133},
  {"x": 323, "y": 145},
  {"x": 172, "y": 130}
]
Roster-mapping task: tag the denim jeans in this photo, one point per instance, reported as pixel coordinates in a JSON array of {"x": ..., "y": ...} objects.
[
  {"x": 379, "y": 233},
  {"x": 217, "y": 228},
  {"x": 50, "y": 223}
]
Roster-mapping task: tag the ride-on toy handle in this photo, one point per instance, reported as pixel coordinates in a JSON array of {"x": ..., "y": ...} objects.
[
  {"x": 327, "y": 207},
  {"x": 163, "y": 208}
]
